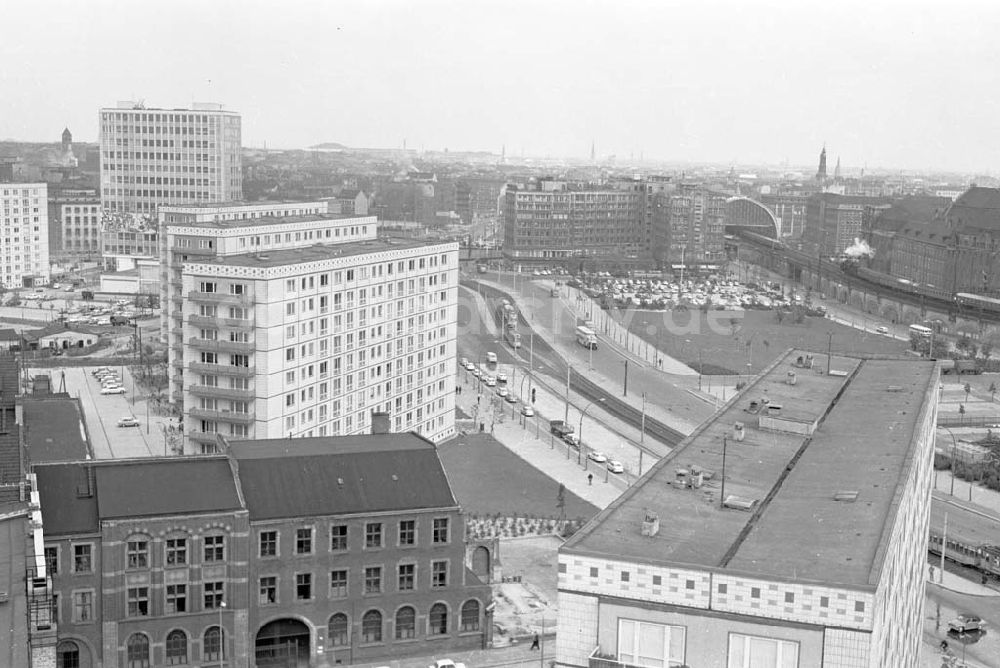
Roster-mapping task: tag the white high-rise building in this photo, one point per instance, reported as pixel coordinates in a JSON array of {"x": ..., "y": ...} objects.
[{"x": 24, "y": 220}]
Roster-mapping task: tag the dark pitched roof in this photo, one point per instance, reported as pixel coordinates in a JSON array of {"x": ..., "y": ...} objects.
[
  {"x": 67, "y": 508},
  {"x": 918, "y": 212},
  {"x": 330, "y": 476},
  {"x": 57, "y": 328},
  {"x": 143, "y": 488},
  {"x": 348, "y": 193},
  {"x": 9, "y": 335},
  {"x": 977, "y": 208},
  {"x": 54, "y": 429}
]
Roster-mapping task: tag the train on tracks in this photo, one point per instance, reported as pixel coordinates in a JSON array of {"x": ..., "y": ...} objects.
[{"x": 970, "y": 540}]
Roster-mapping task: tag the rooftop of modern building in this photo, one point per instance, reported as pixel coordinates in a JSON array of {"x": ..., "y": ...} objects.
[
  {"x": 77, "y": 496},
  {"x": 264, "y": 221},
  {"x": 13, "y": 620},
  {"x": 235, "y": 204},
  {"x": 820, "y": 469},
  {"x": 341, "y": 475},
  {"x": 196, "y": 107},
  {"x": 54, "y": 428},
  {"x": 316, "y": 252}
]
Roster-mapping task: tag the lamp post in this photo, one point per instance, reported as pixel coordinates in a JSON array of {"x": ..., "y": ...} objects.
[
  {"x": 579, "y": 431},
  {"x": 954, "y": 448},
  {"x": 222, "y": 636}
]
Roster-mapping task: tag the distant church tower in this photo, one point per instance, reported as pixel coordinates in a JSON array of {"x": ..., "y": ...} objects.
[
  {"x": 821, "y": 174},
  {"x": 67, "y": 141},
  {"x": 836, "y": 170},
  {"x": 593, "y": 152}
]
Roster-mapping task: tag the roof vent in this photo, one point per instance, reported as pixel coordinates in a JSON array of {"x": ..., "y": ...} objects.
[
  {"x": 739, "y": 502},
  {"x": 651, "y": 524},
  {"x": 790, "y": 378},
  {"x": 846, "y": 495},
  {"x": 838, "y": 373},
  {"x": 894, "y": 388},
  {"x": 395, "y": 477},
  {"x": 739, "y": 431},
  {"x": 340, "y": 481},
  {"x": 262, "y": 257}
]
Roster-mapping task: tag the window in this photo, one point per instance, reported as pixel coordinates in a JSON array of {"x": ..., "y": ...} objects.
[
  {"x": 754, "y": 652},
  {"x": 338, "y": 537},
  {"x": 439, "y": 574},
  {"x": 373, "y": 580},
  {"x": 593, "y": 572},
  {"x": 406, "y": 623},
  {"x": 176, "y": 598},
  {"x": 67, "y": 654},
  {"x": 268, "y": 590},
  {"x": 438, "y": 619},
  {"x": 137, "y": 551},
  {"x": 470, "y": 616},
  {"x": 371, "y": 627},
  {"x": 373, "y": 534},
  {"x": 83, "y": 606},
  {"x": 213, "y": 647},
  {"x": 138, "y": 601},
  {"x": 176, "y": 551},
  {"x": 215, "y": 548},
  {"x": 81, "y": 558},
  {"x": 407, "y": 577},
  {"x": 52, "y": 560},
  {"x": 440, "y": 534},
  {"x": 337, "y": 630},
  {"x": 213, "y": 595},
  {"x": 407, "y": 532},
  {"x": 137, "y": 651},
  {"x": 338, "y": 583},
  {"x": 177, "y": 648},
  {"x": 303, "y": 541},
  {"x": 645, "y": 644},
  {"x": 303, "y": 586},
  {"x": 268, "y": 543}
]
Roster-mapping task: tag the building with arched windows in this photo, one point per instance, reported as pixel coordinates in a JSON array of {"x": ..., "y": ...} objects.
[{"x": 341, "y": 550}]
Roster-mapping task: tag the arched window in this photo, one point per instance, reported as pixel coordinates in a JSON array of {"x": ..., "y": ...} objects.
[
  {"x": 406, "y": 623},
  {"x": 470, "y": 615},
  {"x": 213, "y": 646},
  {"x": 137, "y": 651},
  {"x": 337, "y": 631},
  {"x": 177, "y": 648},
  {"x": 67, "y": 654},
  {"x": 439, "y": 619},
  {"x": 371, "y": 626}
]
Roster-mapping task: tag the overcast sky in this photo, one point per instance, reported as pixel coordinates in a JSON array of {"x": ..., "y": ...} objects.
[{"x": 897, "y": 84}]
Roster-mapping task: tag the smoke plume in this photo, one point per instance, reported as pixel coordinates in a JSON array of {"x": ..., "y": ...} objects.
[{"x": 859, "y": 249}]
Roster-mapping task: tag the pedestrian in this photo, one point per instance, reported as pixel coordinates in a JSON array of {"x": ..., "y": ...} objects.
[
  {"x": 534, "y": 642},
  {"x": 590, "y": 478},
  {"x": 944, "y": 645}
]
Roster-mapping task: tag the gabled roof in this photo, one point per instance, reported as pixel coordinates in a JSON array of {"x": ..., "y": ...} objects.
[
  {"x": 149, "y": 487},
  {"x": 67, "y": 506},
  {"x": 924, "y": 213},
  {"x": 305, "y": 477},
  {"x": 9, "y": 335},
  {"x": 57, "y": 328},
  {"x": 976, "y": 208},
  {"x": 349, "y": 193}
]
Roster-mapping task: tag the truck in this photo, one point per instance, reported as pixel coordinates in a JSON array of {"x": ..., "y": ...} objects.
[
  {"x": 117, "y": 320},
  {"x": 960, "y": 367},
  {"x": 586, "y": 337},
  {"x": 513, "y": 338},
  {"x": 560, "y": 428}
]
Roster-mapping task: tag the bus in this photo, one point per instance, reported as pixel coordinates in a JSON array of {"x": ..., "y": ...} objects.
[
  {"x": 920, "y": 332},
  {"x": 586, "y": 337}
]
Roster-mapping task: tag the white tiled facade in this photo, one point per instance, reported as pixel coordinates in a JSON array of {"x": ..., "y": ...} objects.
[
  {"x": 24, "y": 221},
  {"x": 189, "y": 237},
  {"x": 154, "y": 157},
  {"x": 80, "y": 225},
  {"x": 312, "y": 348}
]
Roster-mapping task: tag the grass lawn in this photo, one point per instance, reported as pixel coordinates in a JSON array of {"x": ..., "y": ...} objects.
[
  {"x": 756, "y": 337},
  {"x": 486, "y": 479}
]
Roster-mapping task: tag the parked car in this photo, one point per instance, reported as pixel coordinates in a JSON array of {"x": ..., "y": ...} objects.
[
  {"x": 469, "y": 366},
  {"x": 598, "y": 457},
  {"x": 491, "y": 358},
  {"x": 572, "y": 440},
  {"x": 501, "y": 377},
  {"x": 615, "y": 466},
  {"x": 128, "y": 422},
  {"x": 490, "y": 381},
  {"x": 463, "y": 362},
  {"x": 113, "y": 390},
  {"x": 446, "y": 663},
  {"x": 510, "y": 398},
  {"x": 881, "y": 329},
  {"x": 501, "y": 391},
  {"x": 476, "y": 373},
  {"x": 527, "y": 411},
  {"x": 966, "y": 622}
]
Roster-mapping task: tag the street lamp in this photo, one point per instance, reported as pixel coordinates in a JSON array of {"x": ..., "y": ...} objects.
[
  {"x": 954, "y": 448},
  {"x": 579, "y": 431}
]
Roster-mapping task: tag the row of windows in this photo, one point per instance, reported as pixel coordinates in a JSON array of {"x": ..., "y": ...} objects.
[
  {"x": 372, "y": 581},
  {"x": 176, "y": 553},
  {"x": 648, "y": 644},
  {"x": 405, "y": 624},
  {"x": 374, "y": 535},
  {"x": 137, "y": 649}
]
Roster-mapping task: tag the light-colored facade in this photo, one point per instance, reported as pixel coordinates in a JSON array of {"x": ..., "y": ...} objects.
[
  {"x": 813, "y": 553},
  {"x": 310, "y": 340},
  {"x": 24, "y": 220},
  {"x": 74, "y": 223}
]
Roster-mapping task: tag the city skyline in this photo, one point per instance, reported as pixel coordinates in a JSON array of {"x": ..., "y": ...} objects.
[{"x": 642, "y": 79}]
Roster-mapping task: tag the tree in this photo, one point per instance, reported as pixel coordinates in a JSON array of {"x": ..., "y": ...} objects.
[
  {"x": 968, "y": 391},
  {"x": 561, "y": 501},
  {"x": 779, "y": 315},
  {"x": 992, "y": 390},
  {"x": 985, "y": 349}
]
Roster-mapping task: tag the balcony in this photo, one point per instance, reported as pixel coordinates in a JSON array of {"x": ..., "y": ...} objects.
[
  {"x": 238, "y": 323},
  {"x": 177, "y": 346},
  {"x": 222, "y": 369},
  {"x": 221, "y": 345},
  {"x": 177, "y": 314},
  {"x": 220, "y": 298},
  {"x": 209, "y": 437},
  {"x": 224, "y": 415},
  {"x": 210, "y": 320},
  {"x": 220, "y": 392},
  {"x": 201, "y": 252},
  {"x": 598, "y": 659}
]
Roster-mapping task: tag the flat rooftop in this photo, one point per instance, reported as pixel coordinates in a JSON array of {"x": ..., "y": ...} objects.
[
  {"x": 863, "y": 420},
  {"x": 265, "y": 220},
  {"x": 317, "y": 252},
  {"x": 54, "y": 429}
]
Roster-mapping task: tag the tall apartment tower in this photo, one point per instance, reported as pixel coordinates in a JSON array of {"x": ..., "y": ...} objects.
[{"x": 24, "y": 219}]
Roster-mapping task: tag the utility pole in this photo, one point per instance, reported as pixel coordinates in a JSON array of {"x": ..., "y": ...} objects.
[
  {"x": 829, "y": 351},
  {"x": 722, "y": 496},
  {"x": 566, "y": 413},
  {"x": 625, "y": 382},
  {"x": 944, "y": 543}
]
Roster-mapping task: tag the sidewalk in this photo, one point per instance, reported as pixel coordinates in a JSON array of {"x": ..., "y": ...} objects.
[
  {"x": 516, "y": 656},
  {"x": 983, "y": 499},
  {"x": 958, "y": 584}
]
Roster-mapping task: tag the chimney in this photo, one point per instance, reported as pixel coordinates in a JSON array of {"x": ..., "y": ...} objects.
[{"x": 381, "y": 424}]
